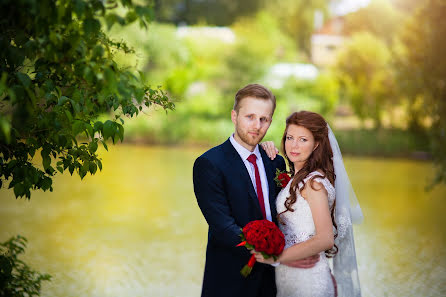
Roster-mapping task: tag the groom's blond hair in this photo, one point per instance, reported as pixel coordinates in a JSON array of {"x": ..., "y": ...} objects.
[{"x": 256, "y": 91}]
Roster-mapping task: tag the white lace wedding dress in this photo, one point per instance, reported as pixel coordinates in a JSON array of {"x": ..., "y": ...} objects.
[{"x": 299, "y": 226}]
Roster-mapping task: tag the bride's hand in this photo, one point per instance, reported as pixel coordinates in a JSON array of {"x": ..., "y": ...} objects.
[
  {"x": 270, "y": 149},
  {"x": 259, "y": 258}
]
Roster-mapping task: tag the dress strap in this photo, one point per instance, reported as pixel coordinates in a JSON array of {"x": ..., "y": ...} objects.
[{"x": 325, "y": 182}]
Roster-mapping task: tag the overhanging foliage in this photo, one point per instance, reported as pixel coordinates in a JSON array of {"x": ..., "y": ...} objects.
[{"x": 57, "y": 74}]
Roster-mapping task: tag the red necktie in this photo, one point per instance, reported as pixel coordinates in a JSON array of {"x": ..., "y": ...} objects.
[{"x": 252, "y": 159}]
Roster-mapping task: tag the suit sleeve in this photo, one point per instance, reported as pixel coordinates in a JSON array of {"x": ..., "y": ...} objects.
[{"x": 211, "y": 198}]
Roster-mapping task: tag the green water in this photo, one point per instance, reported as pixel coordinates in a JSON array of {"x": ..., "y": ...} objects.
[{"x": 135, "y": 229}]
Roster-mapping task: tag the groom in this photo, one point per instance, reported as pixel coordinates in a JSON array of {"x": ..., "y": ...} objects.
[{"x": 234, "y": 184}]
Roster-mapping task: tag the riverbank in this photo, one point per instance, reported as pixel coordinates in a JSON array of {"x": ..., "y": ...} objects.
[{"x": 393, "y": 143}]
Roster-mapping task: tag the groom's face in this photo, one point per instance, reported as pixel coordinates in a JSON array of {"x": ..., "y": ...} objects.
[{"x": 251, "y": 121}]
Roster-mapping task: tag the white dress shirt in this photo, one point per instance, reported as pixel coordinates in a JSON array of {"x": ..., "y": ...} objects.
[{"x": 244, "y": 154}]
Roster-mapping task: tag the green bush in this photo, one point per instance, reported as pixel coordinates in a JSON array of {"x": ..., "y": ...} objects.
[{"x": 382, "y": 142}]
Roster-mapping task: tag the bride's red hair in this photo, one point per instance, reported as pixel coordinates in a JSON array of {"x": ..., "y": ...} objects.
[{"x": 321, "y": 159}]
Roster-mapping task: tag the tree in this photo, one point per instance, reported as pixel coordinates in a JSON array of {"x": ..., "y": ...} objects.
[
  {"x": 365, "y": 20},
  {"x": 297, "y": 19},
  {"x": 57, "y": 75},
  {"x": 17, "y": 279},
  {"x": 422, "y": 75},
  {"x": 214, "y": 12},
  {"x": 406, "y": 6},
  {"x": 363, "y": 67}
]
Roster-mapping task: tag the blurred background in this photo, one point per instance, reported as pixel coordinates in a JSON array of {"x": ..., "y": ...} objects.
[{"x": 134, "y": 229}]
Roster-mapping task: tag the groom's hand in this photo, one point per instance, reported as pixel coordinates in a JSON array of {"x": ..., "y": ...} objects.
[{"x": 304, "y": 263}]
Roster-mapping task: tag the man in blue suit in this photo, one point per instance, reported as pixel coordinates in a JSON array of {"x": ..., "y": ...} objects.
[{"x": 234, "y": 184}]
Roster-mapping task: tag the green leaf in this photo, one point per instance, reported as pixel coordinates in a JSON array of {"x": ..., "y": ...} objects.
[
  {"x": 50, "y": 170},
  {"x": 48, "y": 85},
  {"x": 82, "y": 173},
  {"x": 75, "y": 105},
  {"x": 109, "y": 129},
  {"x": 145, "y": 12},
  {"x": 19, "y": 190},
  {"x": 79, "y": 7},
  {"x": 19, "y": 92},
  {"x": 112, "y": 18},
  {"x": 5, "y": 129},
  {"x": 62, "y": 140},
  {"x": 86, "y": 165},
  {"x": 98, "y": 126},
  {"x": 78, "y": 127},
  {"x": 46, "y": 183},
  {"x": 89, "y": 129},
  {"x": 93, "y": 146},
  {"x": 105, "y": 145},
  {"x": 98, "y": 51},
  {"x": 131, "y": 16},
  {"x": 12, "y": 164},
  {"x": 83, "y": 170},
  {"x": 46, "y": 159},
  {"x": 91, "y": 26},
  {"x": 93, "y": 167},
  {"x": 71, "y": 169},
  {"x": 69, "y": 116},
  {"x": 24, "y": 79},
  {"x": 88, "y": 75},
  {"x": 120, "y": 131},
  {"x": 110, "y": 78},
  {"x": 62, "y": 100}
]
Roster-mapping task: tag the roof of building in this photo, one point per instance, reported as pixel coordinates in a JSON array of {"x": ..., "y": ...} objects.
[{"x": 334, "y": 26}]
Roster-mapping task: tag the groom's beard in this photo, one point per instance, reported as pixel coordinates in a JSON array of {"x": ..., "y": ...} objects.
[{"x": 250, "y": 139}]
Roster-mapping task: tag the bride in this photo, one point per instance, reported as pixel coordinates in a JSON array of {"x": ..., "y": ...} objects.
[{"x": 314, "y": 212}]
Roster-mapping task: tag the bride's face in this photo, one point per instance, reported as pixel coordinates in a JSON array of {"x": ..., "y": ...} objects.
[{"x": 299, "y": 144}]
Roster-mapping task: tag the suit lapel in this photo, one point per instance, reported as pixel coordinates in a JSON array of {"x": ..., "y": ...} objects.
[{"x": 242, "y": 175}]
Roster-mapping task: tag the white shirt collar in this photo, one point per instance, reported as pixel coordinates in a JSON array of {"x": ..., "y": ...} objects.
[{"x": 242, "y": 151}]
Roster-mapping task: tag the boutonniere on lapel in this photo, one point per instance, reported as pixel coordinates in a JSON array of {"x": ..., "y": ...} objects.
[{"x": 282, "y": 178}]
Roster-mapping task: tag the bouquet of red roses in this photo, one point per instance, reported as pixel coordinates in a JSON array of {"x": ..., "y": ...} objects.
[{"x": 264, "y": 237}]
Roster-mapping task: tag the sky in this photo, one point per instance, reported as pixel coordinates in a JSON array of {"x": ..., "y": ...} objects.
[{"x": 341, "y": 7}]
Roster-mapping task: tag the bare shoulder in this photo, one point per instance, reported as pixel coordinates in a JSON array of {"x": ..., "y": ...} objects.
[{"x": 313, "y": 188}]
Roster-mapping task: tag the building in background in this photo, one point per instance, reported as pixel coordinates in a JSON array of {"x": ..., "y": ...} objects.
[{"x": 326, "y": 42}]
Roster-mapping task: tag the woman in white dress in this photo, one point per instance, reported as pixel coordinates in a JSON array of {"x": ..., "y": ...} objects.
[{"x": 306, "y": 211}]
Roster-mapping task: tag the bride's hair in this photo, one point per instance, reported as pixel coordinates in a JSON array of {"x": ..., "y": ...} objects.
[{"x": 320, "y": 160}]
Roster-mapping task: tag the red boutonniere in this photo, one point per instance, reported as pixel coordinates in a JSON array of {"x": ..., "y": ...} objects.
[{"x": 282, "y": 178}]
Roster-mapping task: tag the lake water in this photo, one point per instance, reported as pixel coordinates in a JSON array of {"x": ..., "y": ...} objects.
[{"x": 135, "y": 229}]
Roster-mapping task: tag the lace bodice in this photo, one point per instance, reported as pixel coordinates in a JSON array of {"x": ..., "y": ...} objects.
[{"x": 299, "y": 225}]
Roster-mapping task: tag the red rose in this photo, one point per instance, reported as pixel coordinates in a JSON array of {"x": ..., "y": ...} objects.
[
  {"x": 263, "y": 236},
  {"x": 284, "y": 179}
]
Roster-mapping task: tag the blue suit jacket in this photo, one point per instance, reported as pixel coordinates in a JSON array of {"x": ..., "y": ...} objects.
[{"x": 228, "y": 201}]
